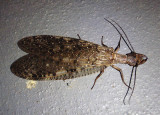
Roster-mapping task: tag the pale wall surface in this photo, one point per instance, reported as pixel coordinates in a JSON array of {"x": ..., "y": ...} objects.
[{"x": 139, "y": 19}]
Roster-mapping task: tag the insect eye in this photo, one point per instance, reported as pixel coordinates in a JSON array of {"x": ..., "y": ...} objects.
[{"x": 144, "y": 59}]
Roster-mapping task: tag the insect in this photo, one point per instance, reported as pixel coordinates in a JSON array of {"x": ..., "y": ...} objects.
[{"x": 59, "y": 58}]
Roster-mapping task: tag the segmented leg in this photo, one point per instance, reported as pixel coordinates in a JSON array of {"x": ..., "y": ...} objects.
[
  {"x": 118, "y": 46},
  {"x": 121, "y": 73},
  {"x": 101, "y": 72},
  {"x": 79, "y": 36},
  {"x": 102, "y": 42}
]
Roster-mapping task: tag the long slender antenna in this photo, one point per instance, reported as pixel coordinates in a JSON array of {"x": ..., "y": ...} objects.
[
  {"x": 133, "y": 84},
  {"x": 129, "y": 85},
  {"x": 119, "y": 34},
  {"x": 124, "y": 34}
]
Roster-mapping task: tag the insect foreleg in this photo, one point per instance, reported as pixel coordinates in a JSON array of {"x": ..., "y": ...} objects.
[
  {"x": 101, "y": 72},
  {"x": 118, "y": 46},
  {"x": 121, "y": 73}
]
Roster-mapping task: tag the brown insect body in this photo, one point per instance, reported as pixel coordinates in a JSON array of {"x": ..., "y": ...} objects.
[
  {"x": 59, "y": 58},
  {"x": 72, "y": 58}
]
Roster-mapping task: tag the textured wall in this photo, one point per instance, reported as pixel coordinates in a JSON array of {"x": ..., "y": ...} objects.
[{"x": 139, "y": 19}]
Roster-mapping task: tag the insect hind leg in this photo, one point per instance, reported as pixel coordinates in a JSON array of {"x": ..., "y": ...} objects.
[
  {"x": 79, "y": 36},
  {"x": 101, "y": 72},
  {"x": 121, "y": 73}
]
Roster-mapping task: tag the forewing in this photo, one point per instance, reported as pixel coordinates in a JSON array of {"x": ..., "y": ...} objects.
[
  {"x": 50, "y": 45},
  {"x": 34, "y": 67}
]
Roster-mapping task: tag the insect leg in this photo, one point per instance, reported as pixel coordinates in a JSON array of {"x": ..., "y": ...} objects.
[
  {"x": 118, "y": 46},
  {"x": 101, "y": 72},
  {"x": 121, "y": 73},
  {"x": 79, "y": 36},
  {"x": 102, "y": 42}
]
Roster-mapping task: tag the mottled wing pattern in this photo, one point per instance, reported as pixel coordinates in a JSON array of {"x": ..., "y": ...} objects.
[
  {"x": 51, "y": 45},
  {"x": 35, "y": 67},
  {"x": 57, "y": 58}
]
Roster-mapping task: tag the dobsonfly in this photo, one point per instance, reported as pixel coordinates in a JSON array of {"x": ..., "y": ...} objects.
[{"x": 58, "y": 58}]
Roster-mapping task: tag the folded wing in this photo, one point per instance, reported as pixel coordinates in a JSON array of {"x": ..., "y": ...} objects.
[{"x": 36, "y": 67}]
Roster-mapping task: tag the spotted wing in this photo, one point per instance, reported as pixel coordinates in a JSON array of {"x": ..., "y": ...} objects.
[
  {"x": 36, "y": 67},
  {"x": 51, "y": 45}
]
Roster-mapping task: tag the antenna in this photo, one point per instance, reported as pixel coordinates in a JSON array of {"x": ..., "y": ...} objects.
[
  {"x": 124, "y": 34},
  {"x": 130, "y": 47}
]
